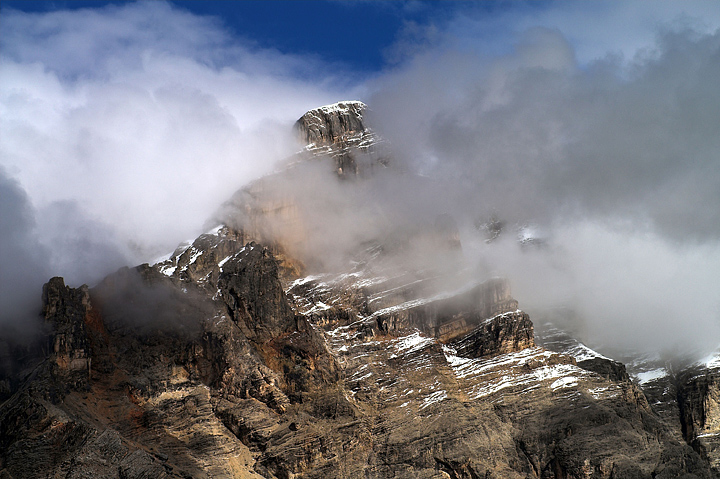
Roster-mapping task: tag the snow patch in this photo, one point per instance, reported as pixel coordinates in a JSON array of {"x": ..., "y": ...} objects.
[
  {"x": 364, "y": 376},
  {"x": 565, "y": 382},
  {"x": 168, "y": 270},
  {"x": 712, "y": 361},
  {"x": 433, "y": 398},
  {"x": 319, "y": 306},
  {"x": 604, "y": 392},
  {"x": 463, "y": 367},
  {"x": 215, "y": 231},
  {"x": 364, "y": 283},
  {"x": 301, "y": 281},
  {"x": 182, "y": 247},
  {"x": 530, "y": 380},
  {"x": 452, "y": 358},
  {"x": 161, "y": 259},
  {"x": 225, "y": 260},
  {"x": 583, "y": 353},
  {"x": 411, "y": 343},
  {"x": 194, "y": 257},
  {"x": 342, "y": 106},
  {"x": 647, "y": 376}
]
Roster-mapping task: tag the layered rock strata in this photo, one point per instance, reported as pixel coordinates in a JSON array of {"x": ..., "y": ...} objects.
[{"x": 223, "y": 360}]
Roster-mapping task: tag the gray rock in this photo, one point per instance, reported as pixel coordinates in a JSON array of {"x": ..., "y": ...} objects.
[
  {"x": 218, "y": 362},
  {"x": 331, "y": 124}
]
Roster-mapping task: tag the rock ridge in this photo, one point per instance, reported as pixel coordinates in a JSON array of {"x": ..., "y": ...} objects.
[{"x": 228, "y": 359}]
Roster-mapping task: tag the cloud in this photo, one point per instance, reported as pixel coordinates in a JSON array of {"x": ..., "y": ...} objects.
[
  {"x": 620, "y": 292},
  {"x": 533, "y": 136},
  {"x": 83, "y": 248},
  {"x": 124, "y": 128},
  {"x": 24, "y": 260},
  {"x": 144, "y": 116},
  {"x": 412, "y": 38},
  {"x": 614, "y": 158},
  {"x": 597, "y": 30}
]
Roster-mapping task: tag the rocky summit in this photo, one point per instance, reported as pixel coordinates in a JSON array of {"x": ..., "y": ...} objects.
[{"x": 249, "y": 354}]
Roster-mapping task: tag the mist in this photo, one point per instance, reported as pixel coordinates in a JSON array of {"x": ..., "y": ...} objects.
[
  {"x": 124, "y": 128},
  {"x": 612, "y": 163},
  {"x": 24, "y": 260}
]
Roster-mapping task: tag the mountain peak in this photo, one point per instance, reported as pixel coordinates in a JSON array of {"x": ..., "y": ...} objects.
[{"x": 330, "y": 124}]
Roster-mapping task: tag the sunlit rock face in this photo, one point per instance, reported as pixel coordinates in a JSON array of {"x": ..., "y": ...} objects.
[
  {"x": 332, "y": 124},
  {"x": 240, "y": 354},
  {"x": 340, "y": 131}
]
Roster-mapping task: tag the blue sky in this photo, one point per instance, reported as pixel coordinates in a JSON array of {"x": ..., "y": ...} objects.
[
  {"x": 355, "y": 33},
  {"x": 126, "y": 124},
  {"x": 362, "y": 38}
]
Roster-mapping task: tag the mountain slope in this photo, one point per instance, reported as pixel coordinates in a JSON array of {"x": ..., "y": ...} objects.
[{"x": 252, "y": 352}]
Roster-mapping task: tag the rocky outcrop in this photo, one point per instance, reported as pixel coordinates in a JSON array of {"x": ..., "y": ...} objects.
[
  {"x": 158, "y": 353},
  {"x": 250, "y": 287},
  {"x": 286, "y": 210},
  {"x": 259, "y": 390},
  {"x": 331, "y": 124},
  {"x": 504, "y": 333},
  {"x": 608, "y": 368},
  {"x": 339, "y": 131},
  {"x": 69, "y": 314},
  {"x": 699, "y": 403},
  {"x": 446, "y": 316}
]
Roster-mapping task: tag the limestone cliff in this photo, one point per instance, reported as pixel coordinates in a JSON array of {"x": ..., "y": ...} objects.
[
  {"x": 699, "y": 404},
  {"x": 237, "y": 357},
  {"x": 340, "y": 131},
  {"x": 332, "y": 124}
]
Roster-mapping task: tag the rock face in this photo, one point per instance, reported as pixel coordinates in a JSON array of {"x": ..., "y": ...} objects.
[
  {"x": 684, "y": 398},
  {"x": 70, "y": 314},
  {"x": 167, "y": 374},
  {"x": 502, "y": 334},
  {"x": 449, "y": 315},
  {"x": 699, "y": 403},
  {"x": 332, "y": 124},
  {"x": 340, "y": 132},
  {"x": 286, "y": 211},
  {"x": 250, "y": 287},
  {"x": 225, "y": 360}
]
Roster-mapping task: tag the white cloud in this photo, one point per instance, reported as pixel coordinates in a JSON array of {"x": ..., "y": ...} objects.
[
  {"x": 145, "y": 115},
  {"x": 595, "y": 29},
  {"x": 609, "y": 141}
]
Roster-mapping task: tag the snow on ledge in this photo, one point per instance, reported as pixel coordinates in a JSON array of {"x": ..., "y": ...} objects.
[
  {"x": 583, "y": 353},
  {"x": 433, "y": 398},
  {"x": 215, "y": 231},
  {"x": 711, "y": 361},
  {"x": 564, "y": 382},
  {"x": 411, "y": 343},
  {"x": 342, "y": 106},
  {"x": 652, "y": 375}
]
